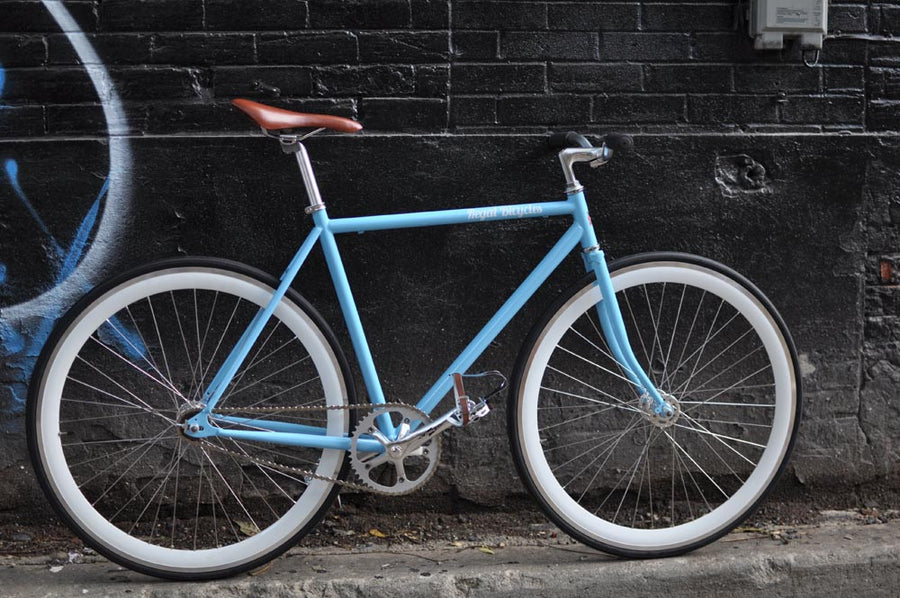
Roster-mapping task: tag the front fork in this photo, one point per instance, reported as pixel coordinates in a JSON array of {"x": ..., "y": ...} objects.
[{"x": 610, "y": 316}]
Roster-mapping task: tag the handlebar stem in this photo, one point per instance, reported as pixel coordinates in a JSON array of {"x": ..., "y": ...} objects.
[{"x": 597, "y": 156}]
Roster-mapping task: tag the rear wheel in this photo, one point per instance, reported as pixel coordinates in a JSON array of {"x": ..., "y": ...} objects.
[
  {"x": 128, "y": 365},
  {"x": 603, "y": 466}
]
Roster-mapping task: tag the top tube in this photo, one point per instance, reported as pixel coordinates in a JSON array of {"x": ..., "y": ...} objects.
[{"x": 443, "y": 217}]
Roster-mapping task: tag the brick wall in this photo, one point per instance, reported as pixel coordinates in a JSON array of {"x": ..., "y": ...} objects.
[
  {"x": 435, "y": 65},
  {"x": 477, "y": 84}
]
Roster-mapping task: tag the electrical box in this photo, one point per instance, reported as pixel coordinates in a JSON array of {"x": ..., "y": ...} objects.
[{"x": 771, "y": 21}]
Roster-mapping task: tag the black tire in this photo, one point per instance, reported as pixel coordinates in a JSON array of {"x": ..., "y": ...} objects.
[
  {"x": 296, "y": 313},
  {"x": 551, "y": 391}
]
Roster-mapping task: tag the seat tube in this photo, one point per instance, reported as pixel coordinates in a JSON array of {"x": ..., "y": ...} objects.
[
  {"x": 608, "y": 311},
  {"x": 351, "y": 317}
]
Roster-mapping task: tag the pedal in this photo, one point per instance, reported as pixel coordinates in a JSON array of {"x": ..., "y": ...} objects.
[
  {"x": 463, "y": 404},
  {"x": 468, "y": 410}
]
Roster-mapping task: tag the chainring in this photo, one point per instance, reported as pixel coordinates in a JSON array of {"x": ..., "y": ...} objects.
[{"x": 404, "y": 466}]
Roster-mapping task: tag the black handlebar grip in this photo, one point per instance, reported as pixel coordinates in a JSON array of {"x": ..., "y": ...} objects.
[
  {"x": 619, "y": 142},
  {"x": 567, "y": 139}
]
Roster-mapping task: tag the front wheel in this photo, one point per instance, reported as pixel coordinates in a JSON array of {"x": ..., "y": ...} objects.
[
  {"x": 123, "y": 371},
  {"x": 602, "y": 465}
]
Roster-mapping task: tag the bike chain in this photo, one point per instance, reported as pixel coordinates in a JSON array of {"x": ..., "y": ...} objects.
[{"x": 305, "y": 472}]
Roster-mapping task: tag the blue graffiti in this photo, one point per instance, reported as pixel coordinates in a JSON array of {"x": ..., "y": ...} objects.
[{"x": 21, "y": 352}]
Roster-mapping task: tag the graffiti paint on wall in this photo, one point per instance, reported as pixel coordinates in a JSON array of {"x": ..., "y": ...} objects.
[{"x": 81, "y": 257}]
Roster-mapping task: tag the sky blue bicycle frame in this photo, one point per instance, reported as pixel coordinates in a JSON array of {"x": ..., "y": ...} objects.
[{"x": 580, "y": 232}]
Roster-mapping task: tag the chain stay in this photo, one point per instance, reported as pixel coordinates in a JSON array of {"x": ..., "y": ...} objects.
[{"x": 298, "y": 470}]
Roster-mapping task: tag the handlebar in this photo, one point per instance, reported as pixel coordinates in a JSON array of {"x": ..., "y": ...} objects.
[{"x": 618, "y": 142}]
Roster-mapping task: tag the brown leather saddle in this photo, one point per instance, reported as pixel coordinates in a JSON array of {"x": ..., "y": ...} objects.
[{"x": 273, "y": 119}]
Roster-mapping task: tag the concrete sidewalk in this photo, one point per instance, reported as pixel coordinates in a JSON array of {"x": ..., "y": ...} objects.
[{"x": 836, "y": 558}]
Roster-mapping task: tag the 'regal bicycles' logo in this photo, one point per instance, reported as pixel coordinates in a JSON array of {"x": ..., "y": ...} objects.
[{"x": 483, "y": 214}]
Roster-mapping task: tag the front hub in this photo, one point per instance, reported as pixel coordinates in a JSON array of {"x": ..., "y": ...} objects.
[{"x": 669, "y": 416}]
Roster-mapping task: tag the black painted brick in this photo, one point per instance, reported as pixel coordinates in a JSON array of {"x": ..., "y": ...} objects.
[
  {"x": 404, "y": 47},
  {"x": 636, "y": 109},
  {"x": 644, "y": 46},
  {"x": 473, "y": 111},
  {"x": 551, "y": 45},
  {"x": 499, "y": 15},
  {"x": 21, "y": 121},
  {"x": 88, "y": 119},
  {"x": 498, "y": 78},
  {"x": 688, "y": 17},
  {"x": 884, "y": 84},
  {"x": 255, "y": 15},
  {"x": 432, "y": 81},
  {"x": 22, "y": 50},
  {"x": 884, "y": 53},
  {"x": 307, "y": 48},
  {"x": 162, "y": 83},
  {"x": 151, "y": 15},
  {"x": 731, "y": 109},
  {"x": 596, "y": 77},
  {"x": 823, "y": 109},
  {"x": 203, "y": 48},
  {"x": 544, "y": 110},
  {"x": 593, "y": 16},
  {"x": 688, "y": 78},
  {"x": 234, "y": 81},
  {"x": 359, "y": 14},
  {"x": 430, "y": 14},
  {"x": 111, "y": 48},
  {"x": 843, "y": 18},
  {"x": 31, "y": 16},
  {"x": 765, "y": 79},
  {"x": 844, "y": 78},
  {"x": 47, "y": 86},
  {"x": 403, "y": 114},
  {"x": 890, "y": 20},
  {"x": 846, "y": 51},
  {"x": 726, "y": 47},
  {"x": 475, "y": 45},
  {"x": 364, "y": 80},
  {"x": 881, "y": 116}
]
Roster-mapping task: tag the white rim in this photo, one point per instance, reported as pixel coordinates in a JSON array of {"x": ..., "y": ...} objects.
[
  {"x": 728, "y": 512},
  {"x": 64, "y": 485}
]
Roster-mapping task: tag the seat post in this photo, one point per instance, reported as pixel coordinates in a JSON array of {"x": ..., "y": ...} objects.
[{"x": 309, "y": 177}]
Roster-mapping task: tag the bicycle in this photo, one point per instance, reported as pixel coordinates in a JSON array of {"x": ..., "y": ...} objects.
[{"x": 195, "y": 417}]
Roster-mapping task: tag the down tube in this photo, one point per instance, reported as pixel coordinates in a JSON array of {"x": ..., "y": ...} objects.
[{"x": 506, "y": 312}]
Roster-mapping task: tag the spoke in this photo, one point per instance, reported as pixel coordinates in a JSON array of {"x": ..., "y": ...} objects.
[
  {"x": 203, "y": 371},
  {"x": 724, "y": 462},
  {"x": 666, "y": 380},
  {"x": 767, "y": 405},
  {"x": 637, "y": 330},
  {"x": 233, "y": 392},
  {"x": 614, "y": 438},
  {"x": 146, "y": 450},
  {"x": 162, "y": 349},
  {"x": 184, "y": 343},
  {"x": 582, "y": 382},
  {"x": 127, "y": 361},
  {"x": 619, "y": 405},
  {"x": 141, "y": 491},
  {"x": 159, "y": 492},
  {"x": 697, "y": 465},
  {"x": 622, "y": 367},
  {"x": 722, "y": 352},
  {"x": 136, "y": 398},
  {"x": 578, "y": 418},
  {"x": 212, "y": 359},
  {"x": 218, "y": 500},
  {"x": 234, "y": 495},
  {"x": 744, "y": 379}
]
